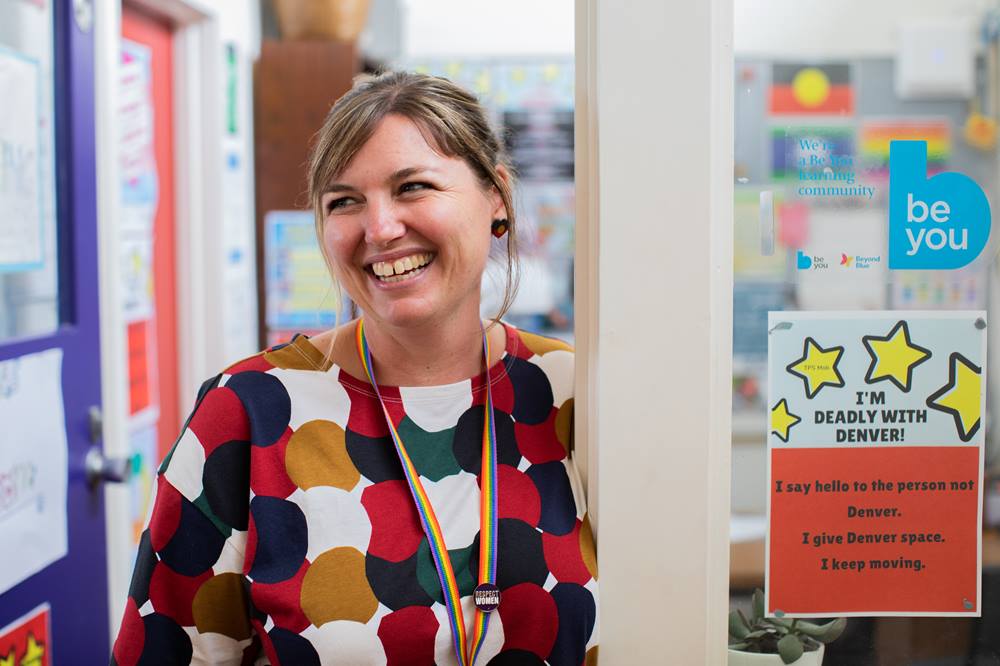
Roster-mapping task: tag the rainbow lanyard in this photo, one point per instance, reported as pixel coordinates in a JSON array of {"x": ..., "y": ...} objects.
[{"x": 487, "y": 594}]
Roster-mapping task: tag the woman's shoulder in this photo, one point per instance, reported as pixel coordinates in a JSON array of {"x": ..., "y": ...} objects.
[
  {"x": 554, "y": 357},
  {"x": 301, "y": 352}
]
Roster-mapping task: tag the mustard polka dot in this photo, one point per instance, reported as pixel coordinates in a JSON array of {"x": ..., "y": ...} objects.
[
  {"x": 541, "y": 345},
  {"x": 216, "y": 605},
  {"x": 335, "y": 587},
  {"x": 317, "y": 456},
  {"x": 564, "y": 424}
]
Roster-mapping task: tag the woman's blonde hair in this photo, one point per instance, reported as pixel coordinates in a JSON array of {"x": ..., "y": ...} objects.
[{"x": 452, "y": 119}]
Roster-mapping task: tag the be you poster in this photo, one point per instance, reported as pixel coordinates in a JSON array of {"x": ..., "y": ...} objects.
[{"x": 875, "y": 451}]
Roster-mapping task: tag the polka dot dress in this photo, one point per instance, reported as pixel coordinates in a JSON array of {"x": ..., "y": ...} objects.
[{"x": 283, "y": 531}]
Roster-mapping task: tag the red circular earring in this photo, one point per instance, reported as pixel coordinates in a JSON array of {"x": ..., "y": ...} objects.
[{"x": 499, "y": 227}]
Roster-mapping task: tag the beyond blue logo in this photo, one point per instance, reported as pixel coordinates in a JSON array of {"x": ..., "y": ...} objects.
[
  {"x": 803, "y": 261},
  {"x": 934, "y": 223}
]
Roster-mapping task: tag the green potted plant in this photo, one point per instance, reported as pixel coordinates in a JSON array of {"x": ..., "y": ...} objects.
[{"x": 773, "y": 641}]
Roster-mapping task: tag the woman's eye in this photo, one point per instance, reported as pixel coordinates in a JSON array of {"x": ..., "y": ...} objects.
[
  {"x": 334, "y": 204},
  {"x": 413, "y": 187}
]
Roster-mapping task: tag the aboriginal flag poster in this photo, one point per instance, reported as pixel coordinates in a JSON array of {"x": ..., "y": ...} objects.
[{"x": 875, "y": 463}]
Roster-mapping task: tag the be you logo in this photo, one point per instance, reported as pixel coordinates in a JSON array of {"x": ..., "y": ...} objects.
[{"x": 942, "y": 222}]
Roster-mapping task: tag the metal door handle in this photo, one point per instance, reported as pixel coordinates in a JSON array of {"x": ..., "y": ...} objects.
[{"x": 100, "y": 468}]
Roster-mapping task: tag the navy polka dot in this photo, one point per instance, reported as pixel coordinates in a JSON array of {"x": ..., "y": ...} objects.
[
  {"x": 375, "y": 457},
  {"x": 558, "y": 508},
  {"x": 395, "y": 584},
  {"x": 282, "y": 539},
  {"x": 226, "y": 479},
  {"x": 468, "y": 443},
  {"x": 196, "y": 545},
  {"x": 532, "y": 392},
  {"x": 165, "y": 643},
  {"x": 516, "y": 658},
  {"x": 267, "y": 405},
  {"x": 520, "y": 558},
  {"x": 292, "y": 648},
  {"x": 577, "y": 615},
  {"x": 145, "y": 561}
]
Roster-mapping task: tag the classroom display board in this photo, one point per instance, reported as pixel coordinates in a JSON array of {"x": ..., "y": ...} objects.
[{"x": 875, "y": 451}]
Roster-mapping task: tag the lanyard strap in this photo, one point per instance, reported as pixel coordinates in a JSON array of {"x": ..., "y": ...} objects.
[{"x": 429, "y": 521}]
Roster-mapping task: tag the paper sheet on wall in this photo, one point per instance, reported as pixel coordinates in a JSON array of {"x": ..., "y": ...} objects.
[
  {"x": 875, "y": 451},
  {"x": 20, "y": 196},
  {"x": 32, "y": 466}
]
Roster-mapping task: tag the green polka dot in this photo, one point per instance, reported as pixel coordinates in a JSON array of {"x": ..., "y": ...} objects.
[
  {"x": 427, "y": 574},
  {"x": 431, "y": 452}
]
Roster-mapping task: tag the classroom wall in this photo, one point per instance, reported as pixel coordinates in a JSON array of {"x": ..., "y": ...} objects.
[{"x": 849, "y": 28}]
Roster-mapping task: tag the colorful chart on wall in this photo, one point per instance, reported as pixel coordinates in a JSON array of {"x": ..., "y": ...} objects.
[
  {"x": 27, "y": 640},
  {"x": 875, "y": 135},
  {"x": 875, "y": 451}
]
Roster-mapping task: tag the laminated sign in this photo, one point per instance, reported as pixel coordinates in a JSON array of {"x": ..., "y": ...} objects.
[{"x": 875, "y": 452}]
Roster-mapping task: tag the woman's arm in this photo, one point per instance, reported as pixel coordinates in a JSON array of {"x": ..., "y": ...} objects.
[{"x": 187, "y": 603}]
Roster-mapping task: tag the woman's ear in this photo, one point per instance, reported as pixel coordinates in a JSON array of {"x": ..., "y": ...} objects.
[{"x": 499, "y": 209}]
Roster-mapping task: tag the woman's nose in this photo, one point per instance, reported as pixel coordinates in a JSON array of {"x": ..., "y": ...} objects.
[{"x": 382, "y": 223}]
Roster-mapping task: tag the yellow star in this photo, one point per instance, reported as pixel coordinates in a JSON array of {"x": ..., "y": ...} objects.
[
  {"x": 894, "y": 357},
  {"x": 817, "y": 367},
  {"x": 9, "y": 660},
  {"x": 961, "y": 396},
  {"x": 35, "y": 652},
  {"x": 782, "y": 420}
]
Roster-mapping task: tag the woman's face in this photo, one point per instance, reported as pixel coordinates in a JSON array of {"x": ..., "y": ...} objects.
[{"x": 408, "y": 229}]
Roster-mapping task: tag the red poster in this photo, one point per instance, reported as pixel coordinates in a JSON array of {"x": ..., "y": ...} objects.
[
  {"x": 875, "y": 452},
  {"x": 25, "y": 642}
]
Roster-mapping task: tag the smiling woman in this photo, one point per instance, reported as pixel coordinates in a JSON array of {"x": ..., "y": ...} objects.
[{"x": 400, "y": 489}]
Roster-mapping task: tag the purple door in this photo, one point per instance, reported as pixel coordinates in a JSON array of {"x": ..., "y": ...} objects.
[{"x": 55, "y": 80}]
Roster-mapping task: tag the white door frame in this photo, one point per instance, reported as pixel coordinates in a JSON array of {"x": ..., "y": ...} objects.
[
  {"x": 196, "y": 122},
  {"x": 654, "y": 319}
]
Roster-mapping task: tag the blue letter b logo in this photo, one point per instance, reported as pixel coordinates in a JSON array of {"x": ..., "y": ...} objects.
[{"x": 934, "y": 223}]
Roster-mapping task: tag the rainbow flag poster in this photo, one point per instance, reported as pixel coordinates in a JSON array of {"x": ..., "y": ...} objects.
[
  {"x": 802, "y": 89},
  {"x": 793, "y": 147},
  {"x": 874, "y": 137}
]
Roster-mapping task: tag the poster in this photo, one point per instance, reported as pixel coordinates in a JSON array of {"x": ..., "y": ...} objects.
[
  {"x": 32, "y": 465},
  {"x": 875, "y": 451},
  {"x": 21, "y": 216},
  {"x": 25, "y": 641},
  {"x": 299, "y": 290}
]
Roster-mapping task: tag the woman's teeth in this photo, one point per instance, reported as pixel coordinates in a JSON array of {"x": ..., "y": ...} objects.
[{"x": 401, "y": 269}]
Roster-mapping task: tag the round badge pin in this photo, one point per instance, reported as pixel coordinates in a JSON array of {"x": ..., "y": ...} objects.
[{"x": 487, "y": 597}]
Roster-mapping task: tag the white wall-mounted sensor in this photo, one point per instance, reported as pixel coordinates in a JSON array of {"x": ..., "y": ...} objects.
[{"x": 935, "y": 59}]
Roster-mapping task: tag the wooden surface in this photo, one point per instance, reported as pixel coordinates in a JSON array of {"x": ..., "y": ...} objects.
[{"x": 295, "y": 84}]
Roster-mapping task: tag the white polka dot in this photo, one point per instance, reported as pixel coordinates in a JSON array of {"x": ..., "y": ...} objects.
[
  {"x": 436, "y": 408},
  {"x": 347, "y": 642},
  {"x": 455, "y": 500},
  {"x": 334, "y": 518},
  {"x": 187, "y": 463},
  {"x": 213, "y": 648},
  {"x": 550, "y": 582},
  {"x": 558, "y": 367},
  {"x": 317, "y": 395},
  {"x": 233, "y": 554}
]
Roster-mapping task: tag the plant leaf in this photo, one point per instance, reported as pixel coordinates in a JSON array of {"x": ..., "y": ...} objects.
[
  {"x": 758, "y": 604},
  {"x": 739, "y": 646},
  {"x": 790, "y": 648},
  {"x": 832, "y": 630},
  {"x": 737, "y": 627}
]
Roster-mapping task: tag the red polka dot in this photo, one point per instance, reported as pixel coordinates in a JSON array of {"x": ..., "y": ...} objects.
[
  {"x": 366, "y": 416},
  {"x": 172, "y": 594},
  {"x": 282, "y": 601},
  {"x": 251, "y": 547},
  {"x": 516, "y": 346},
  {"x": 539, "y": 443},
  {"x": 518, "y": 496},
  {"x": 503, "y": 390},
  {"x": 563, "y": 556},
  {"x": 253, "y": 364},
  {"x": 131, "y": 637},
  {"x": 166, "y": 514},
  {"x": 530, "y": 619},
  {"x": 265, "y": 642},
  {"x": 408, "y": 636},
  {"x": 220, "y": 418},
  {"x": 396, "y": 530},
  {"x": 267, "y": 469}
]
